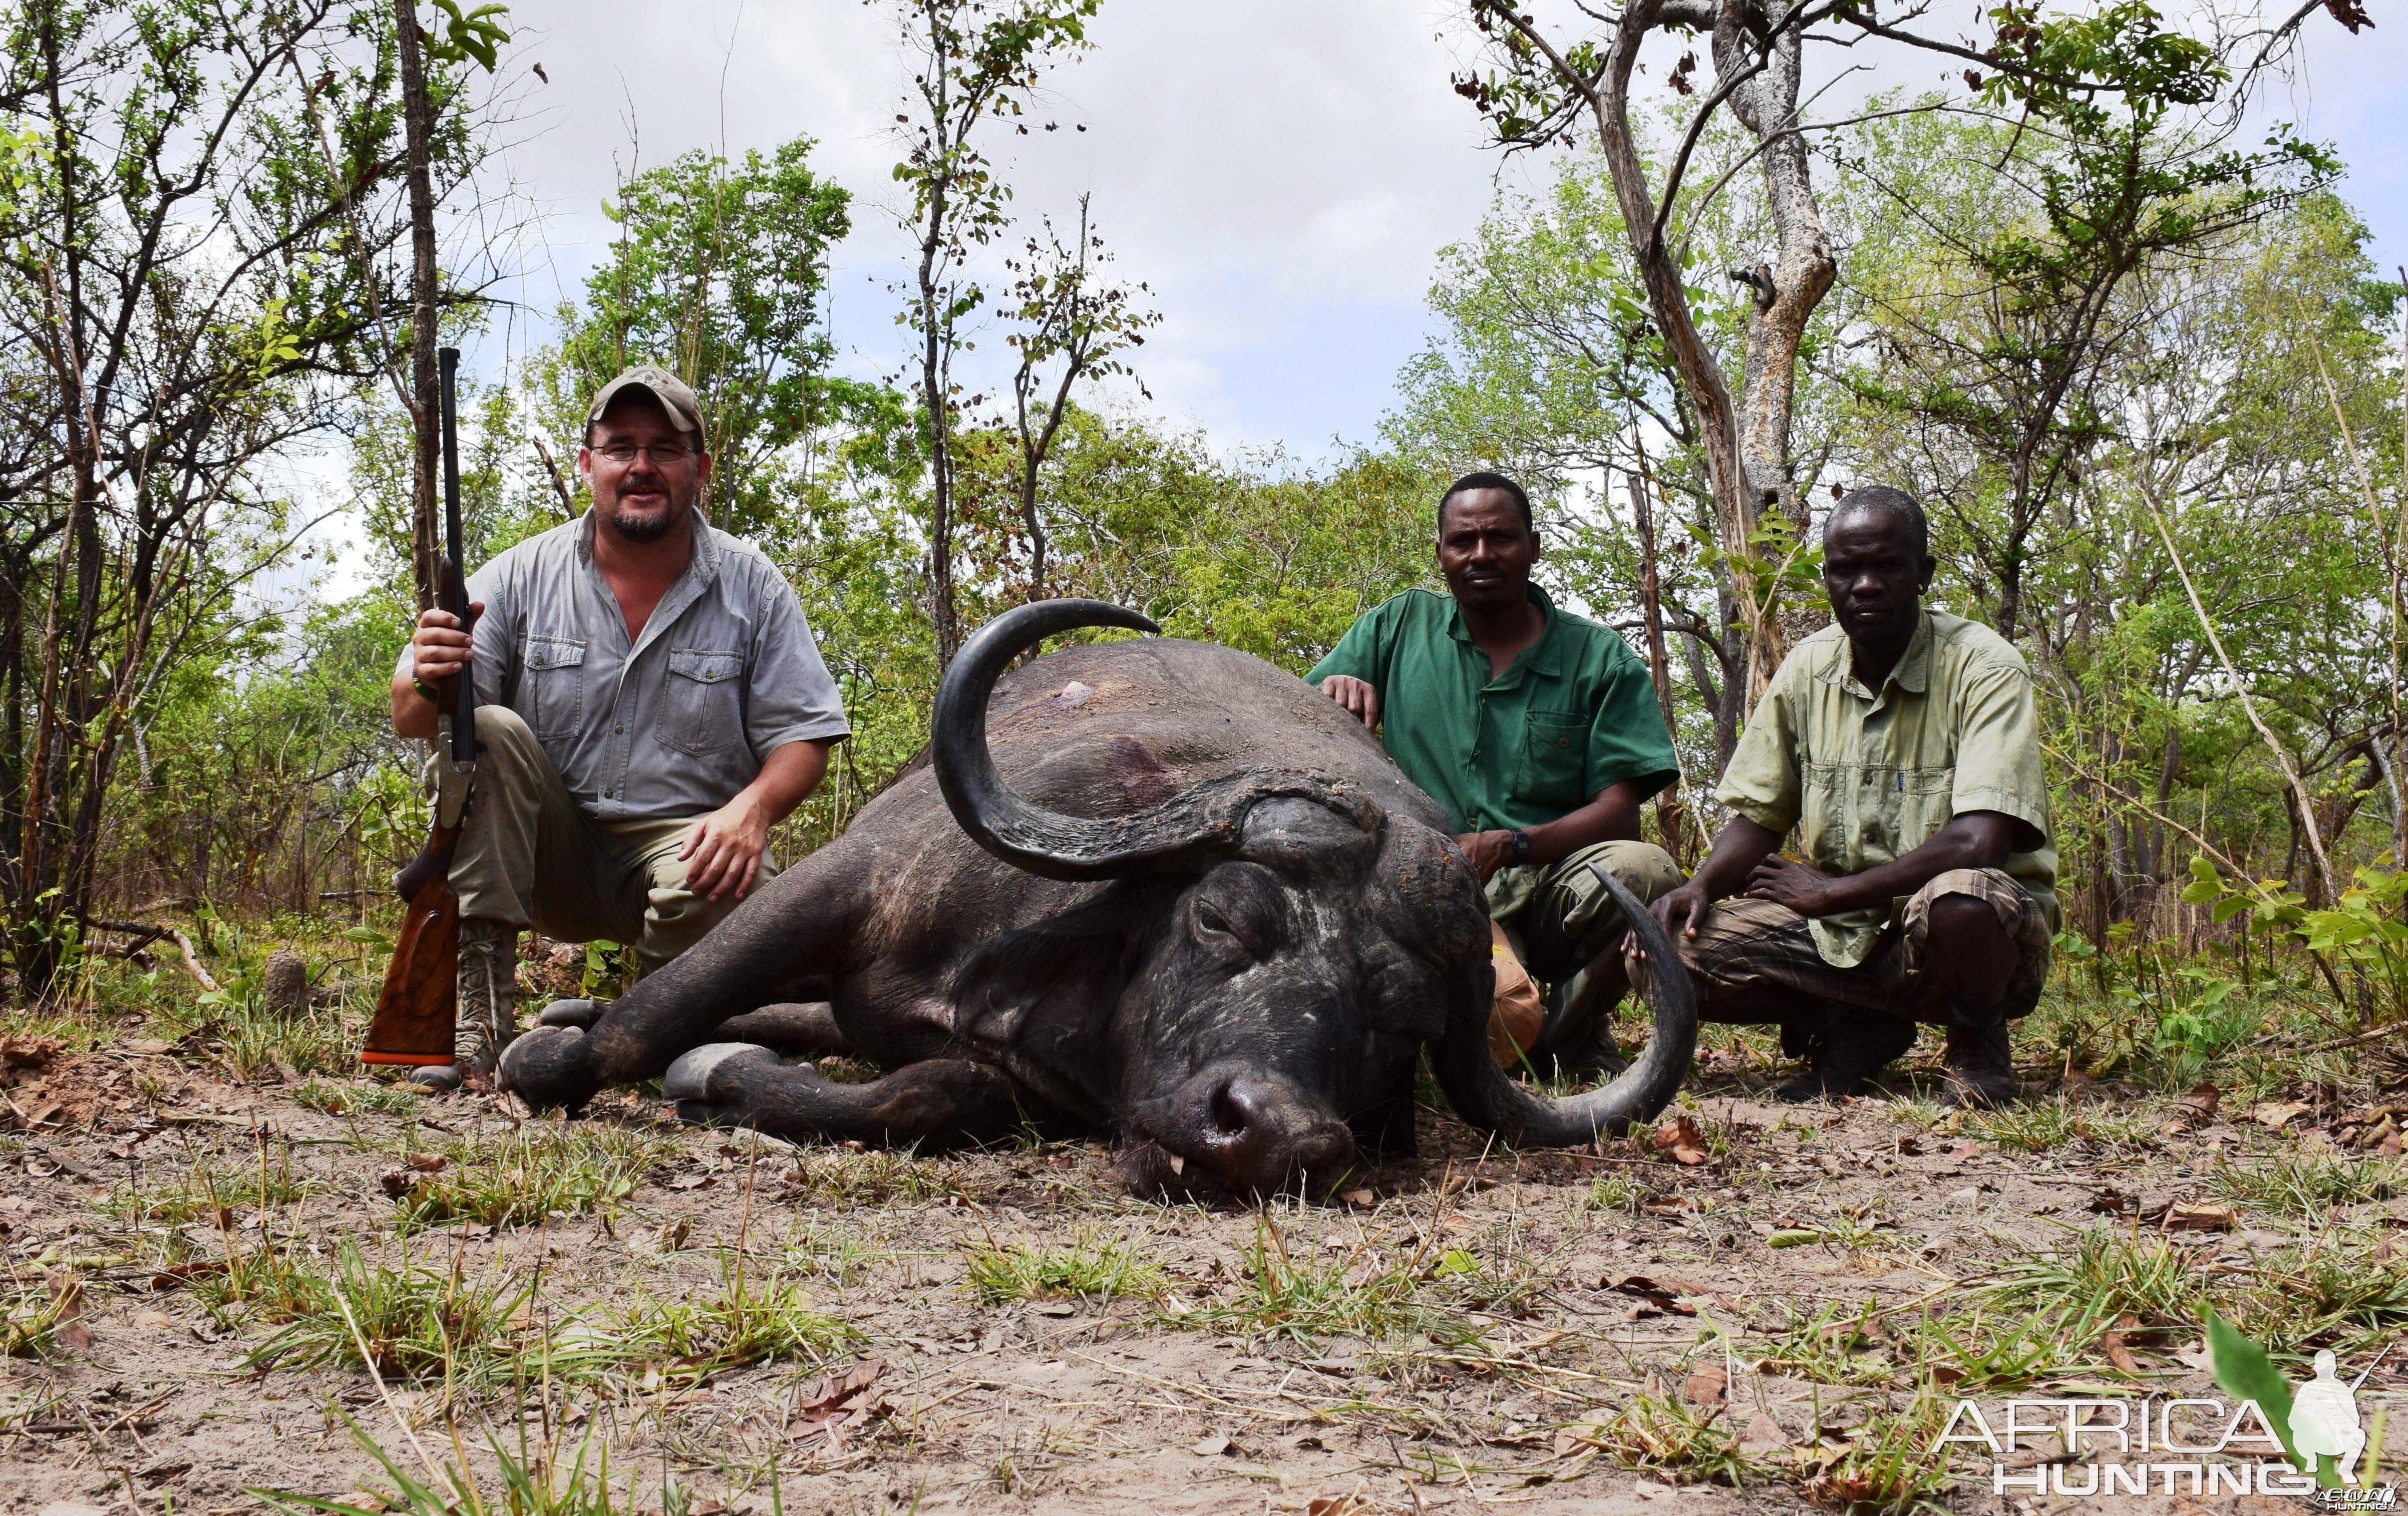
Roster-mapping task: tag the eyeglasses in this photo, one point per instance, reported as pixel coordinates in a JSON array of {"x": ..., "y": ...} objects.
[{"x": 662, "y": 453}]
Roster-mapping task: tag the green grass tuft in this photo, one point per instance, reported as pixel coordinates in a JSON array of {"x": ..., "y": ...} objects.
[
  {"x": 547, "y": 1168},
  {"x": 1092, "y": 1268}
]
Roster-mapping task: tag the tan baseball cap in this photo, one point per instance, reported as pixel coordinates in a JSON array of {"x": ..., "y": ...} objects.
[{"x": 685, "y": 411}]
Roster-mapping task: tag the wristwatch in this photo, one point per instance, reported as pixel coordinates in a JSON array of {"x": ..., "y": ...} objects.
[{"x": 1521, "y": 845}]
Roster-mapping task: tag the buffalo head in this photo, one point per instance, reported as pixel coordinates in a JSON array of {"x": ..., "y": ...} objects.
[{"x": 1272, "y": 951}]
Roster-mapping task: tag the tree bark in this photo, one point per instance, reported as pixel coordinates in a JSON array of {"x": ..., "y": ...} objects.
[
  {"x": 418, "y": 132},
  {"x": 1744, "y": 441},
  {"x": 1670, "y": 811},
  {"x": 1785, "y": 294}
]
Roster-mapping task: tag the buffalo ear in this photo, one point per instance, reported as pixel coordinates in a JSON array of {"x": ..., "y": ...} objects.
[{"x": 1041, "y": 996}]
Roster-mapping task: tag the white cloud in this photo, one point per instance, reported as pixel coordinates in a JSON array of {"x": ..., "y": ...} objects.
[{"x": 1281, "y": 173}]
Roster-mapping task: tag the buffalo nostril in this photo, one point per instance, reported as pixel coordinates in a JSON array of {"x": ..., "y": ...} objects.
[{"x": 1229, "y": 1112}]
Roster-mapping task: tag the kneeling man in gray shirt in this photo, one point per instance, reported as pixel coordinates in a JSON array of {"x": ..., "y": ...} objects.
[{"x": 651, "y": 704}]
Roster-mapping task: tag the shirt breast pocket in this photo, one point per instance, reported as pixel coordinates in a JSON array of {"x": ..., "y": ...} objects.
[
  {"x": 702, "y": 711},
  {"x": 1555, "y": 759},
  {"x": 1927, "y": 801},
  {"x": 553, "y": 692}
]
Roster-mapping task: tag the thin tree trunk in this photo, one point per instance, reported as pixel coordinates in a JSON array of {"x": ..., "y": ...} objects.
[
  {"x": 1670, "y": 811},
  {"x": 1785, "y": 294},
  {"x": 2303, "y": 803},
  {"x": 418, "y": 130}
]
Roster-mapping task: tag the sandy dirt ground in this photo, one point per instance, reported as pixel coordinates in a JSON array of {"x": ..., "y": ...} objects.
[{"x": 1628, "y": 1330}]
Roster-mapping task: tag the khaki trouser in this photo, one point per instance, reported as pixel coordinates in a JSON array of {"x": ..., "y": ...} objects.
[
  {"x": 1753, "y": 957},
  {"x": 1567, "y": 930},
  {"x": 529, "y": 856}
]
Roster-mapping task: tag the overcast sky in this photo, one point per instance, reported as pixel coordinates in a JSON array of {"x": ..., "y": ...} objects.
[{"x": 1282, "y": 172}]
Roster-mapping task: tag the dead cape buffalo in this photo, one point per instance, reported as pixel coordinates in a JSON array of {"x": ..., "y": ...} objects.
[{"x": 1163, "y": 891}]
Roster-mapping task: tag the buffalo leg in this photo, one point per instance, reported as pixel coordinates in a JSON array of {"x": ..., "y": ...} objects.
[
  {"x": 940, "y": 1102},
  {"x": 795, "y": 928},
  {"x": 808, "y": 1029}
]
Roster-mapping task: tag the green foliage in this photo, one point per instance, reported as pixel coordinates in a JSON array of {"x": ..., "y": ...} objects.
[
  {"x": 2243, "y": 1370},
  {"x": 472, "y": 34},
  {"x": 549, "y": 1479},
  {"x": 755, "y": 1316},
  {"x": 191, "y": 212},
  {"x": 719, "y": 273}
]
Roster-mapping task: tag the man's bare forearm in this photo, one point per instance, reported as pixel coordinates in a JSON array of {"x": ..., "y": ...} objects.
[
  {"x": 787, "y": 777},
  {"x": 1739, "y": 847},
  {"x": 413, "y": 714},
  {"x": 1612, "y": 817}
]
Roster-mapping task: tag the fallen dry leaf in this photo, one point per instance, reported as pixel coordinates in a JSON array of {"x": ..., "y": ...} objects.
[
  {"x": 1212, "y": 1446},
  {"x": 1337, "y": 1505},
  {"x": 1358, "y": 1197},
  {"x": 2201, "y": 1101},
  {"x": 691, "y": 1182},
  {"x": 2112, "y": 1343},
  {"x": 1664, "y": 1297},
  {"x": 2278, "y": 1114},
  {"x": 1680, "y": 1140},
  {"x": 1761, "y": 1435},
  {"x": 1909, "y": 1148},
  {"x": 1965, "y": 1150},
  {"x": 2186, "y": 1216},
  {"x": 1707, "y": 1387},
  {"x": 21, "y": 1052},
  {"x": 426, "y": 1162},
  {"x": 837, "y": 1402}
]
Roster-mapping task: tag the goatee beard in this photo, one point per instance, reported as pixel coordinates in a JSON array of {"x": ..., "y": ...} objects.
[{"x": 642, "y": 528}]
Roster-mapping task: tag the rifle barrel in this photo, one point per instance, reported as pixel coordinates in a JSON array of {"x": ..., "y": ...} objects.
[{"x": 455, "y": 568}]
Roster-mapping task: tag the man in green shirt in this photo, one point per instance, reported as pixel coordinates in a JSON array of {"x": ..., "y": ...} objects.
[
  {"x": 1538, "y": 730},
  {"x": 1903, "y": 745}
]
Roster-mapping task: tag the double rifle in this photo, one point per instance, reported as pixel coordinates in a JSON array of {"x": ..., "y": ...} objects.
[{"x": 418, "y": 1011}]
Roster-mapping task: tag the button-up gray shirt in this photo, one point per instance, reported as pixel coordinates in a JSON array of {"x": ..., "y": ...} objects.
[{"x": 725, "y": 672}]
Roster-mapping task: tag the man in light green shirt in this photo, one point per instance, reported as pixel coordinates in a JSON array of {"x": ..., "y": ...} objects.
[
  {"x": 1539, "y": 731},
  {"x": 1903, "y": 746}
]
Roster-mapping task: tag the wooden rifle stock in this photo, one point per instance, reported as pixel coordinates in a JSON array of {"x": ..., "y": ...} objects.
[{"x": 417, "y": 1014}]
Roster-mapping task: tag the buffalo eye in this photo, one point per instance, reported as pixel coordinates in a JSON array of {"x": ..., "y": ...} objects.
[{"x": 1212, "y": 923}]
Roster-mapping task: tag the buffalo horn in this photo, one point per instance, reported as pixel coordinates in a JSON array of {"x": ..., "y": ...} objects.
[
  {"x": 1180, "y": 833},
  {"x": 1484, "y": 1097}
]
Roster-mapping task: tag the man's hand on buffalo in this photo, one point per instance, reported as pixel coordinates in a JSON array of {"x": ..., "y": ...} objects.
[{"x": 1359, "y": 699}]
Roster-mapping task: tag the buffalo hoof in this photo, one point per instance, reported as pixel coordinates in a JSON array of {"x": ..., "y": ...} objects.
[
  {"x": 705, "y": 1082},
  {"x": 549, "y": 1068},
  {"x": 581, "y": 1014}
]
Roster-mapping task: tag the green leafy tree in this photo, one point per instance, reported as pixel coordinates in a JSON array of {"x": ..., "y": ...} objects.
[
  {"x": 719, "y": 274},
  {"x": 975, "y": 68},
  {"x": 1994, "y": 309},
  {"x": 197, "y": 235},
  {"x": 1074, "y": 324}
]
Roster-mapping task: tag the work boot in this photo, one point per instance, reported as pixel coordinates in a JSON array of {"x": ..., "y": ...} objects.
[
  {"x": 1844, "y": 1053},
  {"x": 488, "y": 992},
  {"x": 1980, "y": 1066}
]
